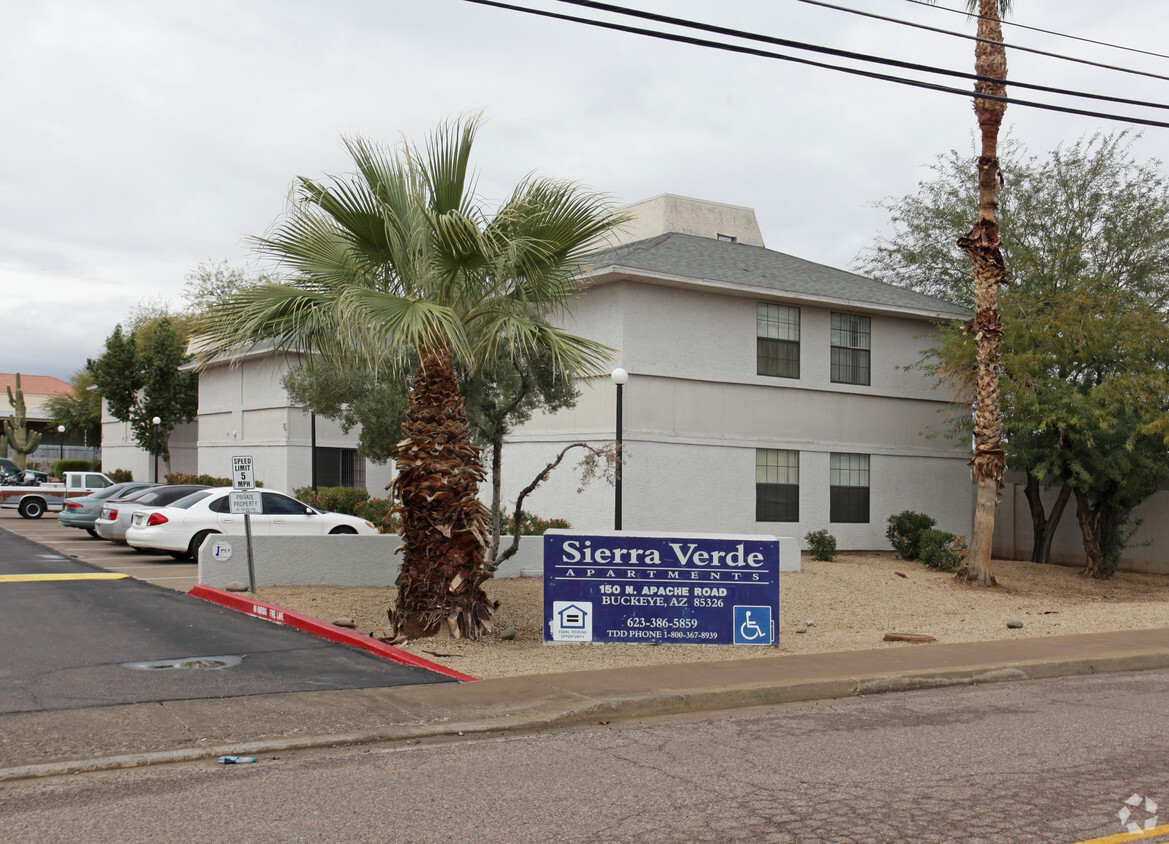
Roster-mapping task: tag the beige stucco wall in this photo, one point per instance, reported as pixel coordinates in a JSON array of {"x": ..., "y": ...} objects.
[
  {"x": 695, "y": 411},
  {"x": 119, "y": 451},
  {"x": 1013, "y": 535},
  {"x": 244, "y": 409},
  {"x": 671, "y": 213}
]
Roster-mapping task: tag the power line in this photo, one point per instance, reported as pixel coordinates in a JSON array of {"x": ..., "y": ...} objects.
[
  {"x": 847, "y": 54},
  {"x": 1047, "y": 31},
  {"x": 733, "y": 48},
  {"x": 969, "y": 37}
]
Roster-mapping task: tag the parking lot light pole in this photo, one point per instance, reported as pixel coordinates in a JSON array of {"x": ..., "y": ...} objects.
[
  {"x": 157, "y": 421},
  {"x": 620, "y": 378},
  {"x": 61, "y": 433}
]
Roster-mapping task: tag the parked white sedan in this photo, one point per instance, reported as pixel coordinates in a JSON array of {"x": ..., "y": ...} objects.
[{"x": 181, "y": 528}]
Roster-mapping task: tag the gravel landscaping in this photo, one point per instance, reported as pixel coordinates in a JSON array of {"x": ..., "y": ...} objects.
[{"x": 847, "y": 604}]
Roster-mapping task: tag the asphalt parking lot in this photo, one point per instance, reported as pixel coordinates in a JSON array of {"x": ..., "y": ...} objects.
[
  {"x": 79, "y": 637},
  {"x": 159, "y": 569}
]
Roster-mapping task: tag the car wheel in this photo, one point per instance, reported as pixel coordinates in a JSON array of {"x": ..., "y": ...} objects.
[
  {"x": 31, "y": 508},
  {"x": 92, "y": 533},
  {"x": 196, "y": 543},
  {"x": 344, "y": 530}
]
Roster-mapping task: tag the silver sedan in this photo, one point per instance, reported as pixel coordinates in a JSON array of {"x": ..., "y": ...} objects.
[
  {"x": 82, "y": 512},
  {"x": 115, "y": 515}
]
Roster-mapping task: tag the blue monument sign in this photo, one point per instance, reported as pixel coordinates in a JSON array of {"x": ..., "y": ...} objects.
[{"x": 687, "y": 589}]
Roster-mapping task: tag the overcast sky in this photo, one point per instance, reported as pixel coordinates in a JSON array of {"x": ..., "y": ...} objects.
[{"x": 142, "y": 138}]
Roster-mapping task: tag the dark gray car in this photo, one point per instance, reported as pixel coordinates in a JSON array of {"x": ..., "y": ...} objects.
[
  {"x": 115, "y": 513},
  {"x": 83, "y": 512}
]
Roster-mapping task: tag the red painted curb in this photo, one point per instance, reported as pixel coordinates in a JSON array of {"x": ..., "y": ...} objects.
[{"x": 308, "y": 624}]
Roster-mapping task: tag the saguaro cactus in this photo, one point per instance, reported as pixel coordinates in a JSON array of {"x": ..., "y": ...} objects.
[{"x": 24, "y": 441}]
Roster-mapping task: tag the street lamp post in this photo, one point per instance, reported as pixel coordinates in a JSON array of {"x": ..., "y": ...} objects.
[
  {"x": 620, "y": 378},
  {"x": 313, "y": 449},
  {"x": 157, "y": 421},
  {"x": 61, "y": 434}
]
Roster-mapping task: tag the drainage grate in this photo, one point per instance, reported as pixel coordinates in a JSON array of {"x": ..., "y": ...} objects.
[{"x": 194, "y": 662}]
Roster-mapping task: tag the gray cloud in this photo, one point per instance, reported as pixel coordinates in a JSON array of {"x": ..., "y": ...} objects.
[{"x": 145, "y": 138}]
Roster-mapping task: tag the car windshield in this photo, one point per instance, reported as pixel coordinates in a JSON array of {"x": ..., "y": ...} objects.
[
  {"x": 194, "y": 497},
  {"x": 164, "y": 495},
  {"x": 108, "y": 492}
]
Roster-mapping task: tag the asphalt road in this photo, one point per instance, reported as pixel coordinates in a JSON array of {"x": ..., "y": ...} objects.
[
  {"x": 159, "y": 569},
  {"x": 67, "y": 642},
  {"x": 1050, "y": 761}
]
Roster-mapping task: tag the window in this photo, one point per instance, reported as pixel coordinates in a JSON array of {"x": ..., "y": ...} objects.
[
  {"x": 727, "y": 238},
  {"x": 281, "y": 505},
  {"x": 777, "y": 485},
  {"x": 777, "y": 347},
  {"x": 848, "y": 488},
  {"x": 340, "y": 467},
  {"x": 851, "y": 343}
]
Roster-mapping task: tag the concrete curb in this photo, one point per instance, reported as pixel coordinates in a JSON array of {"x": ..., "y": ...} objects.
[
  {"x": 593, "y": 710},
  {"x": 316, "y": 627}
]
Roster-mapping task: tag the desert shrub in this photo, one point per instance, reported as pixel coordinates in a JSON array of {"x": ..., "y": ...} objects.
[
  {"x": 821, "y": 544},
  {"x": 530, "y": 524},
  {"x": 904, "y": 530},
  {"x": 941, "y": 550},
  {"x": 60, "y": 467},
  {"x": 335, "y": 499},
  {"x": 189, "y": 478},
  {"x": 380, "y": 512},
  {"x": 352, "y": 502},
  {"x": 121, "y": 476}
]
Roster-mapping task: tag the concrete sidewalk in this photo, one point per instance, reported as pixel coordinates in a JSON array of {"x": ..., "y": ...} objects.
[{"x": 47, "y": 743}]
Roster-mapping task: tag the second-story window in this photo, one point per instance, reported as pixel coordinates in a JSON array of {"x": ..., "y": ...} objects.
[
  {"x": 851, "y": 344},
  {"x": 777, "y": 344}
]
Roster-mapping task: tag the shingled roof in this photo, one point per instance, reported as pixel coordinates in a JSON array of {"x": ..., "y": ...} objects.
[{"x": 705, "y": 260}]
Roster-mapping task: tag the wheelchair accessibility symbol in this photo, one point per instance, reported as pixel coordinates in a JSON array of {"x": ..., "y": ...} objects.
[{"x": 753, "y": 626}]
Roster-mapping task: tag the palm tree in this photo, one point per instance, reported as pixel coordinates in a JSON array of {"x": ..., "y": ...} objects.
[
  {"x": 400, "y": 262},
  {"x": 981, "y": 244}
]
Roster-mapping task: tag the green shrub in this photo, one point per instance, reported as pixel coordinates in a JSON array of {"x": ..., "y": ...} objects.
[
  {"x": 530, "y": 525},
  {"x": 352, "y": 502},
  {"x": 121, "y": 476},
  {"x": 941, "y": 550},
  {"x": 904, "y": 530},
  {"x": 821, "y": 544},
  {"x": 380, "y": 511},
  {"x": 60, "y": 467},
  {"x": 335, "y": 499},
  {"x": 188, "y": 478}
]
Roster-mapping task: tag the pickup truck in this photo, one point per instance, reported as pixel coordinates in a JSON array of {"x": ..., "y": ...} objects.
[{"x": 33, "y": 501}]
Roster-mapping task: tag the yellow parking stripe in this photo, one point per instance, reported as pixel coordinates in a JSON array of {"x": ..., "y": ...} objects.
[
  {"x": 29, "y": 578},
  {"x": 1120, "y": 837}
]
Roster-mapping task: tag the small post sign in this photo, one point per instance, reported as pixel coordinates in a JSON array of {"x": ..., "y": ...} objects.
[
  {"x": 244, "y": 499},
  {"x": 242, "y": 475},
  {"x": 694, "y": 589},
  {"x": 246, "y": 502}
]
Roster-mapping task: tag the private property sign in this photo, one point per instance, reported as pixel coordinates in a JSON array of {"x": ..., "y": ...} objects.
[{"x": 694, "y": 589}]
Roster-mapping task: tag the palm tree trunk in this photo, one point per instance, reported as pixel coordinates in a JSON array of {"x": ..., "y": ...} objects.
[
  {"x": 982, "y": 246},
  {"x": 443, "y": 520}
]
